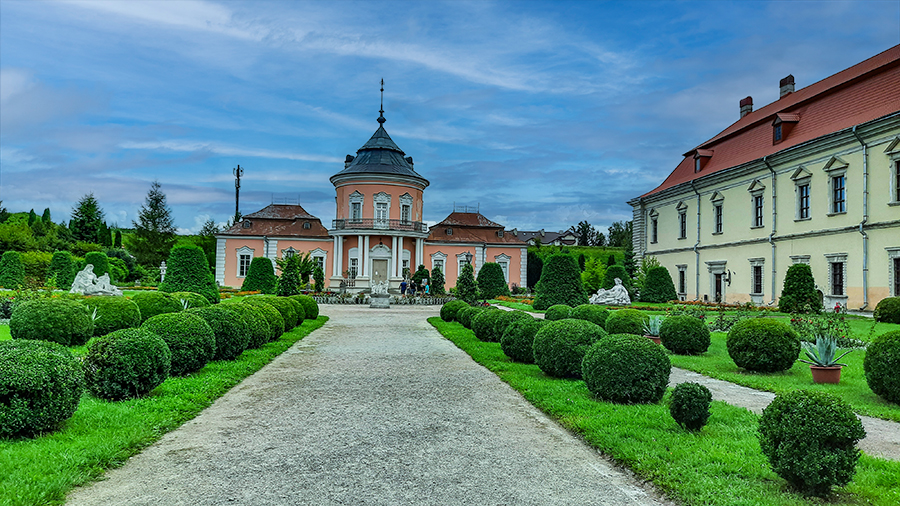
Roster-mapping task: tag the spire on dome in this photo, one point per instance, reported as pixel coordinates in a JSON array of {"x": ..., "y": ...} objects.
[{"x": 381, "y": 119}]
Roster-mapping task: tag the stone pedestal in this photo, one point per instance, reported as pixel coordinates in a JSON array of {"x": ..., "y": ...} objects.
[{"x": 380, "y": 301}]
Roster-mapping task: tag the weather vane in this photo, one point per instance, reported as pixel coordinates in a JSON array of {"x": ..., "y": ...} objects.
[{"x": 381, "y": 111}]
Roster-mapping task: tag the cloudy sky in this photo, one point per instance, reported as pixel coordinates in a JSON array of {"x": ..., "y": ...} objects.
[{"x": 542, "y": 113}]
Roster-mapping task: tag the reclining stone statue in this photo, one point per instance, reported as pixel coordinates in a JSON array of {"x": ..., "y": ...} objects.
[
  {"x": 87, "y": 283},
  {"x": 615, "y": 296}
]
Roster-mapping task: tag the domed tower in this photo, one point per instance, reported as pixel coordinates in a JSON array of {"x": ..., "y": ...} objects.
[{"x": 378, "y": 230}]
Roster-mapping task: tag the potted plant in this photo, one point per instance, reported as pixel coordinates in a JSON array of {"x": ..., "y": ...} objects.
[
  {"x": 651, "y": 328},
  {"x": 822, "y": 361}
]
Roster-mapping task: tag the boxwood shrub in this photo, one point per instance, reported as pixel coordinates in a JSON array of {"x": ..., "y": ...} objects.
[
  {"x": 658, "y": 286},
  {"x": 627, "y": 369},
  {"x": 888, "y": 310},
  {"x": 190, "y": 340},
  {"x": 558, "y": 312},
  {"x": 12, "y": 270},
  {"x": 299, "y": 310},
  {"x": 492, "y": 327},
  {"x": 193, "y": 299},
  {"x": 467, "y": 314},
  {"x": 689, "y": 405},
  {"x": 310, "y": 306},
  {"x": 559, "y": 346},
  {"x": 684, "y": 335},
  {"x": 63, "y": 321},
  {"x": 284, "y": 307},
  {"x": 449, "y": 309},
  {"x": 113, "y": 313},
  {"x": 273, "y": 316},
  {"x": 518, "y": 340},
  {"x": 483, "y": 324},
  {"x": 257, "y": 326},
  {"x": 560, "y": 283},
  {"x": 62, "y": 267},
  {"x": 156, "y": 303},
  {"x": 882, "y": 363},
  {"x": 810, "y": 440},
  {"x": 260, "y": 276},
  {"x": 40, "y": 386},
  {"x": 592, "y": 313},
  {"x": 187, "y": 270},
  {"x": 100, "y": 262},
  {"x": 625, "y": 321},
  {"x": 763, "y": 345},
  {"x": 229, "y": 328},
  {"x": 126, "y": 363}
]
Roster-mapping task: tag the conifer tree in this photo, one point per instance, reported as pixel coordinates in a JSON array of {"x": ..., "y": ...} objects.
[
  {"x": 186, "y": 272},
  {"x": 154, "y": 232},
  {"x": 46, "y": 216},
  {"x": 86, "y": 219},
  {"x": 560, "y": 283},
  {"x": 289, "y": 281},
  {"x": 799, "y": 293},
  {"x": 491, "y": 282},
  {"x": 319, "y": 279},
  {"x": 260, "y": 276},
  {"x": 465, "y": 285},
  {"x": 437, "y": 282},
  {"x": 118, "y": 242},
  {"x": 32, "y": 217}
]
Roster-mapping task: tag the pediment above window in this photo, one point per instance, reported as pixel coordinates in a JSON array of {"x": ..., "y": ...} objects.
[
  {"x": 756, "y": 186},
  {"x": 681, "y": 206},
  {"x": 801, "y": 173},
  {"x": 893, "y": 149},
  {"x": 836, "y": 163},
  {"x": 716, "y": 197}
]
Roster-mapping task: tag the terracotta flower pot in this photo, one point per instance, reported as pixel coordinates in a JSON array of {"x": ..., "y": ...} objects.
[
  {"x": 830, "y": 374},
  {"x": 655, "y": 339}
]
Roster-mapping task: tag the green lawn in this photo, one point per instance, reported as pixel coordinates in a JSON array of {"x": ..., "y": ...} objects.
[
  {"x": 4, "y": 332},
  {"x": 104, "y": 434},
  {"x": 722, "y": 465}
]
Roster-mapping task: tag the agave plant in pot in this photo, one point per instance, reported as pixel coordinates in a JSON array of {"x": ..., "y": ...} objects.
[
  {"x": 822, "y": 360},
  {"x": 651, "y": 328}
]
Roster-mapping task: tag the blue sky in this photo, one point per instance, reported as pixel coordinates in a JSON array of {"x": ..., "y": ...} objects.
[{"x": 542, "y": 113}]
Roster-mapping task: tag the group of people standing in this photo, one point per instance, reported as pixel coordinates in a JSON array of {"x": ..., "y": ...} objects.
[{"x": 411, "y": 288}]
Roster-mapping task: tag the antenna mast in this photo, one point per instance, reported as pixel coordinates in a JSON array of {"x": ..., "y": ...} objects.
[{"x": 238, "y": 172}]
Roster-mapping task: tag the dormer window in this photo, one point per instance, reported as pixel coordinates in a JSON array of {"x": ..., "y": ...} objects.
[
  {"x": 782, "y": 126},
  {"x": 449, "y": 231},
  {"x": 246, "y": 224},
  {"x": 701, "y": 158},
  {"x": 697, "y": 164},
  {"x": 499, "y": 233},
  {"x": 306, "y": 225},
  {"x": 777, "y": 133}
]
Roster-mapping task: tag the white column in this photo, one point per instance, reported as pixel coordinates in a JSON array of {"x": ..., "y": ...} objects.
[
  {"x": 420, "y": 257},
  {"x": 339, "y": 256},
  {"x": 359, "y": 256},
  {"x": 523, "y": 271},
  {"x": 400, "y": 256},
  {"x": 365, "y": 255},
  {"x": 394, "y": 255},
  {"x": 334, "y": 258}
]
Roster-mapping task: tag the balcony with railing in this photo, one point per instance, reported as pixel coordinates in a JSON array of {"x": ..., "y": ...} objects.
[{"x": 376, "y": 224}]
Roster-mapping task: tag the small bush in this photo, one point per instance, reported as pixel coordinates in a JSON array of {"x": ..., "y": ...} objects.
[
  {"x": 62, "y": 268},
  {"x": 591, "y": 313},
  {"x": 881, "y": 363},
  {"x": 466, "y": 289},
  {"x": 658, "y": 286},
  {"x": 260, "y": 276},
  {"x": 113, "y": 313},
  {"x": 500, "y": 322},
  {"x": 467, "y": 314},
  {"x": 560, "y": 283},
  {"x": 483, "y": 324},
  {"x": 270, "y": 313},
  {"x": 190, "y": 340},
  {"x": 799, "y": 293},
  {"x": 100, "y": 262},
  {"x": 449, "y": 310},
  {"x": 518, "y": 340},
  {"x": 626, "y": 368},
  {"x": 12, "y": 270},
  {"x": 156, "y": 303},
  {"x": 310, "y": 306},
  {"x": 763, "y": 345},
  {"x": 62, "y": 321},
  {"x": 284, "y": 307},
  {"x": 193, "y": 299},
  {"x": 229, "y": 328},
  {"x": 187, "y": 270},
  {"x": 625, "y": 321},
  {"x": 126, "y": 363},
  {"x": 40, "y": 386},
  {"x": 298, "y": 309},
  {"x": 888, "y": 310},
  {"x": 491, "y": 281},
  {"x": 257, "y": 326},
  {"x": 810, "y": 440},
  {"x": 559, "y": 346},
  {"x": 558, "y": 312},
  {"x": 689, "y": 405},
  {"x": 684, "y": 335}
]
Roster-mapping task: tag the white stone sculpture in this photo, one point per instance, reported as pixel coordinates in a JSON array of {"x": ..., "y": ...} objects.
[
  {"x": 380, "y": 298},
  {"x": 615, "y": 296},
  {"x": 87, "y": 283},
  {"x": 380, "y": 288}
]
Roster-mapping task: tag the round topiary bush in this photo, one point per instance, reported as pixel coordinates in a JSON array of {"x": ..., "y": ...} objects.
[
  {"x": 155, "y": 303},
  {"x": 881, "y": 363},
  {"x": 592, "y": 313},
  {"x": 689, "y": 405},
  {"x": 558, "y": 312},
  {"x": 270, "y": 313},
  {"x": 684, "y": 335},
  {"x": 62, "y": 321},
  {"x": 467, "y": 314},
  {"x": 491, "y": 281},
  {"x": 518, "y": 340},
  {"x": 658, "y": 286},
  {"x": 113, "y": 313},
  {"x": 40, "y": 386},
  {"x": 763, "y": 345},
  {"x": 559, "y": 346},
  {"x": 126, "y": 363},
  {"x": 229, "y": 328},
  {"x": 810, "y": 440},
  {"x": 560, "y": 283},
  {"x": 449, "y": 309},
  {"x": 191, "y": 298},
  {"x": 888, "y": 310},
  {"x": 284, "y": 307},
  {"x": 257, "y": 325},
  {"x": 799, "y": 292},
  {"x": 190, "y": 340},
  {"x": 626, "y": 368},
  {"x": 298, "y": 309},
  {"x": 483, "y": 324},
  {"x": 260, "y": 276},
  {"x": 310, "y": 306},
  {"x": 625, "y": 321},
  {"x": 496, "y": 326}
]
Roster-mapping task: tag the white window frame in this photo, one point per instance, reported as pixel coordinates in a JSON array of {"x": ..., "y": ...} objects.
[
  {"x": 893, "y": 253},
  {"x": 439, "y": 257},
  {"x": 682, "y": 220},
  {"x": 356, "y": 204},
  {"x": 381, "y": 200},
  {"x": 503, "y": 261},
  {"x": 461, "y": 261},
  {"x": 682, "y": 276},
  {"x": 244, "y": 250},
  {"x": 320, "y": 256},
  {"x": 718, "y": 202},
  {"x": 654, "y": 226},
  {"x": 406, "y": 202},
  {"x": 761, "y": 264},
  {"x": 837, "y": 258},
  {"x": 835, "y": 168}
]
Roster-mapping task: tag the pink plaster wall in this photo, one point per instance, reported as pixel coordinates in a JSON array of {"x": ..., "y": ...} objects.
[{"x": 368, "y": 189}]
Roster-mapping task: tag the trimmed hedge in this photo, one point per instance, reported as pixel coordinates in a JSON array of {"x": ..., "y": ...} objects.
[
  {"x": 491, "y": 281},
  {"x": 298, "y": 309},
  {"x": 558, "y": 312},
  {"x": 658, "y": 286},
  {"x": 62, "y": 267},
  {"x": 689, "y": 405},
  {"x": 126, "y": 363},
  {"x": 40, "y": 386},
  {"x": 500, "y": 322},
  {"x": 284, "y": 307},
  {"x": 100, "y": 262},
  {"x": 193, "y": 299},
  {"x": 518, "y": 340},
  {"x": 882, "y": 363},
  {"x": 467, "y": 314},
  {"x": 627, "y": 369},
  {"x": 260, "y": 276},
  {"x": 625, "y": 321},
  {"x": 810, "y": 440},
  {"x": 888, "y": 310},
  {"x": 190, "y": 340},
  {"x": 483, "y": 324},
  {"x": 12, "y": 270},
  {"x": 560, "y": 283},
  {"x": 684, "y": 335},
  {"x": 113, "y": 313},
  {"x": 270, "y": 313},
  {"x": 187, "y": 270},
  {"x": 763, "y": 345},
  {"x": 258, "y": 332},
  {"x": 310, "y": 306},
  {"x": 559, "y": 346},
  {"x": 62, "y": 321},
  {"x": 799, "y": 292},
  {"x": 592, "y": 313},
  {"x": 229, "y": 328},
  {"x": 156, "y": 303},
  {"x": 449, "y": 309}
]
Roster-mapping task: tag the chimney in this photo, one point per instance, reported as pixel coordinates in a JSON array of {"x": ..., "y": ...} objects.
[
  {"x": 348, "y": 160},
  {"x": 746, "y": 106},
  {"x": 786, "y": 86}
]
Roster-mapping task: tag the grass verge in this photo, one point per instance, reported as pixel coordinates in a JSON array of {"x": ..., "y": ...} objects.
[
  {"x": 102, "y": 435},
  {"x": 722, "y": 465}
]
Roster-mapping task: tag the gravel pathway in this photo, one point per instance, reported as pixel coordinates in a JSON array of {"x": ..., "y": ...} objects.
[{"x": 376, "y": 407}]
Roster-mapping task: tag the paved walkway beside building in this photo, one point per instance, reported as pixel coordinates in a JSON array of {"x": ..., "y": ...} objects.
[{"x": 373, "y": 408}]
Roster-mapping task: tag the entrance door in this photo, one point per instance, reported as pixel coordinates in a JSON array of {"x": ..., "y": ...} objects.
[
  {"x": 718, "y": 287},
  {"x": 379, "y": 269}
]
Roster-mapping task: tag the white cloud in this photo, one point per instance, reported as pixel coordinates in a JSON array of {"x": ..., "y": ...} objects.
[{"x": 225, "y": 150}]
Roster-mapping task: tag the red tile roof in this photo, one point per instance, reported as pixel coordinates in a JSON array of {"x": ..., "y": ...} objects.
[
  {"x": 471, "y": 227},
  {"x": 278, "y": 220},
  {"x": 861, "y": 93}
]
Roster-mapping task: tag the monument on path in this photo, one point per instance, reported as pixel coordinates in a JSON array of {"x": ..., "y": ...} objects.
[
  {"x": 87, "y": 283},
  {"x": 615, "y": 296},
  {"x": 380, "y": 299}
]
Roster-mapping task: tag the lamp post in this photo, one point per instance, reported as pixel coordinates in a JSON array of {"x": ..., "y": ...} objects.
[{"x": 468, "y": 258}]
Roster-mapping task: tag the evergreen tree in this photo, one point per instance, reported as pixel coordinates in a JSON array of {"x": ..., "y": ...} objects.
[
  {"x": 420, "y": 274},
  {"x": 437, "y": 282},
  {"x": 560, "y": 284},
  {"x": 260, "y": 276},
  {"x": 465, "y": 285},
  {"x": 799, "y": 293},
  {"x": 207, "y": 241},
  {"x": 617, "y": 271},
  {"x": 535, "y": 265},
  {"x": 105, "y": 237},
  {"x": 12, "y": 270},
  {"x": 4, "y": 214},
  {"x": 611, "y": 260},
  {"x": 46, "y": 216},
  {"x": 62, "y": 266},
  {"x": 186, "y": 272},
  {"x": 491, "y": 282},
  {"x": 629, "y": 258},
  {"x": 289, "y": 281},
  {"x": 118, "y": 242},
  {"x": 581, "y": 261},
  {"x": 585, "y": 232},
  {"x": 658, "y": 286},
  {"x": 32, "y": 217},
  {"x": 100, "y": 262},
  {"x": 593, "y": 275},
  {"x": 154, "y": 232},
  {"x": 86, "y": 220},
  {"x": 319, "y": 278}
]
